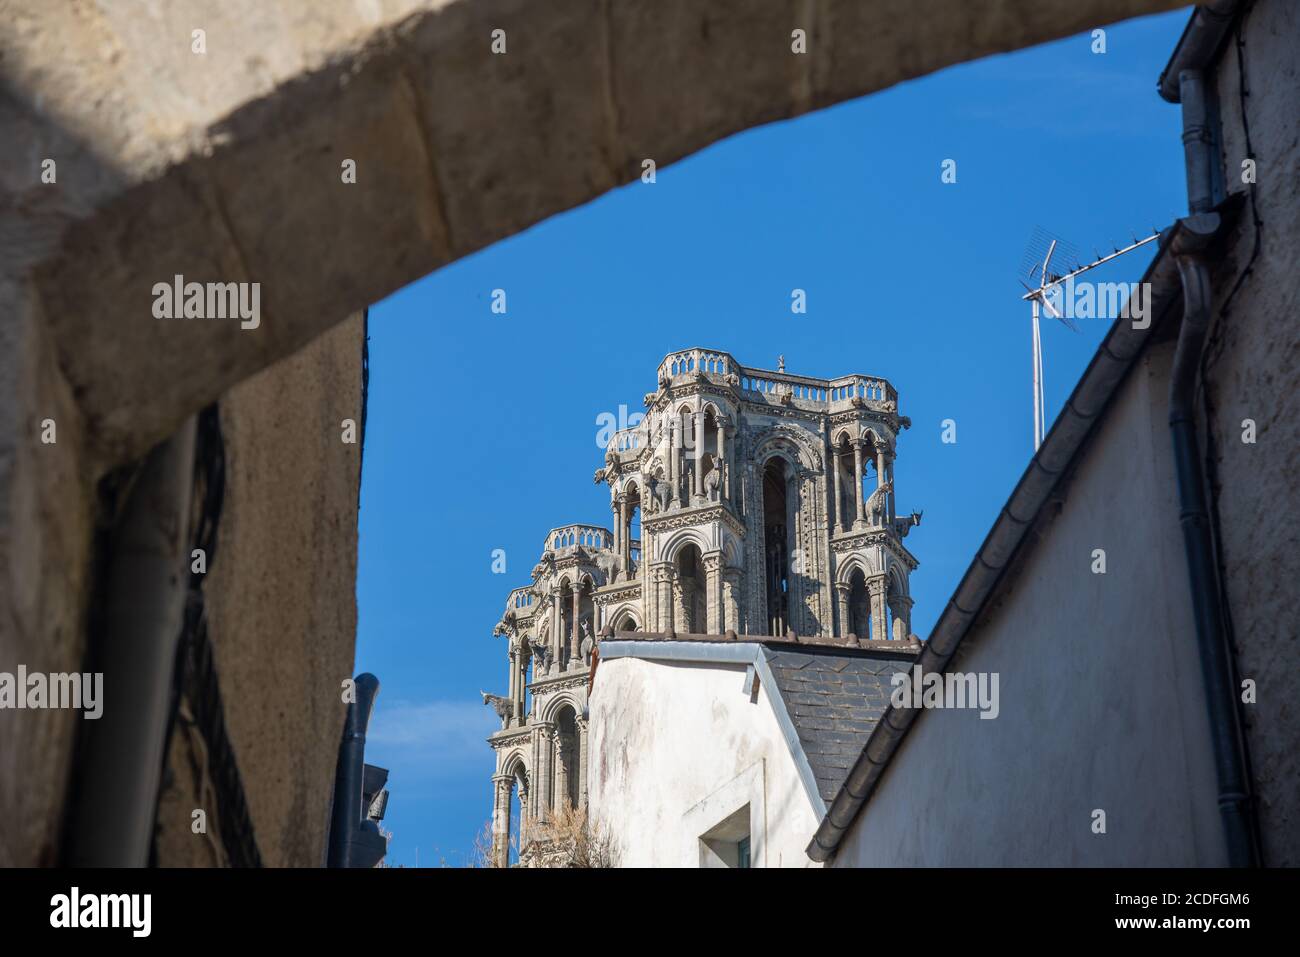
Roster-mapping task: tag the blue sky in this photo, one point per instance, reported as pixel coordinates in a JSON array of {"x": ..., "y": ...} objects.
[{"x": 482, "y": 428}]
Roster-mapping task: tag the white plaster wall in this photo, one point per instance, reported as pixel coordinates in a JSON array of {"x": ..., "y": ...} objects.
[
  {"x": 1102, "y": 705},
  {"x": 675, "y": 749}
]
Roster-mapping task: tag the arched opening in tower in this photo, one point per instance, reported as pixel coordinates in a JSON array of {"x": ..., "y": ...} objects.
[
  {"x": 566, "y": 626},
  {"x": 515, "y": 827},
  {"x": 692, "y": 590},
  {"x": 896, "y": 601},
  {"x": 566, "y": 768},
  {"x": 846, "y": 502},
  {"x": 710, "y": 485},
  {"x": 870, "y": 479},
  {"x": 527, "y": 675},
  {"x": 776, "y": 545},
  {"x": 859, "y": 623},
  {"x": 586, "y": 619},
  {"x": 632, "y": 531}
]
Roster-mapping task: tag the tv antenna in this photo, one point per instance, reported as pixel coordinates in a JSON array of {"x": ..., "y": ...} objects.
[{"x": 1043, "y": 249}]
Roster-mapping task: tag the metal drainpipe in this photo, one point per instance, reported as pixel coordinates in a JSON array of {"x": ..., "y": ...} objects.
[
  {"x": 349, "y": 843},
  {"x": 1193, "y": 236},
  {"x": 115, "y": 796}
]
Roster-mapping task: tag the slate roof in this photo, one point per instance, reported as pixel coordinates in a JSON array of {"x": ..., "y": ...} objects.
[{"x": 835, "y": 700}]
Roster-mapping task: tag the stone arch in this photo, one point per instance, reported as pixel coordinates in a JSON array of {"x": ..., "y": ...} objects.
[
  {"x": 626, "y": 618},
  {"x": 584, "y": 630},
  {"x": 569, "y": 757},
  {"x": 557, "y": 702},
  {"x": 732, "y": 555},
  {"x": 794, "y": 444},
  {"x": 856, "y": 608},
  {"x": 513, "y": 805},
  {"x": 898, "y": 603},
  {"x": 844, "y": 498},
  {"x": 139, "y": 405},
  {"x": 779, "y": 494},
  {"x": 516, "y": 764},
  {"x": 896, "y": 579},
  {"x": 680, "y": 539},
  {"x": 629, "y": 516},
  {"x": 776, "y": 448},
  {"x": 710, "y": 439},
  {"x": 690, "y": 589},
  {"x": 848, "y": 564}
]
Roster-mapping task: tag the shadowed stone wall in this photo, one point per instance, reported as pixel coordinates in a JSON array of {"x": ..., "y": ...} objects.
[
  {"x": 1253, "y": 370},
  {"x": 281, "y": 600}
]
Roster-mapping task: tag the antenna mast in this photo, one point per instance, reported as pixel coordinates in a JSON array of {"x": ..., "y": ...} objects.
[{"x": 1038, "y": 299}]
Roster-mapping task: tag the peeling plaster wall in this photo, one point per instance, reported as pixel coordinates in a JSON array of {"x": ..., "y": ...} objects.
[
  {"x": 1101, "y": 697},
  {"x": 675, "y": 749}
]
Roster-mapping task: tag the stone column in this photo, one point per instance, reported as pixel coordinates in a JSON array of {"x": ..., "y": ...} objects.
[
  {"x": 876, "y": 589},
  {"x": 521, "y": 683},
  {"x": 514, "y": 679},
  {"x": 699, "y": 454},
  {"x": 667, "y": 621},
  {"x": 654, "y": 604},
  {"x": 501, "y": 820},
  {"x": 575, "y": 641},
  {"x": 713, "y": 592},
  {"x": 859, "y": 501},
  {"x": 663, "y": 597},
  {"x": 889, "y": 499},
  {"x": 730, "y": 600},
  {"x": 544, "y": 784},
  {"x": 624, "y": 538},
  {"x": 838, "y": 512},
  {"x": 557, "y": 626},
  {"x": 724, "y": 489},
  {"x": 525, "y": 819},
  {"x": 842, "y": 590},
  {"x": 901, "y": 607},
  {"x": 673, "y": 426},
  {"x": 582, "y": 759},
  {"x": 561, "y": 798},
  {"x": 616, "y": 508}
]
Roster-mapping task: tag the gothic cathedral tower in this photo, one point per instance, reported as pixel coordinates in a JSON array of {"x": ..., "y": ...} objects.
[{"x": 746, "y": 501}]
